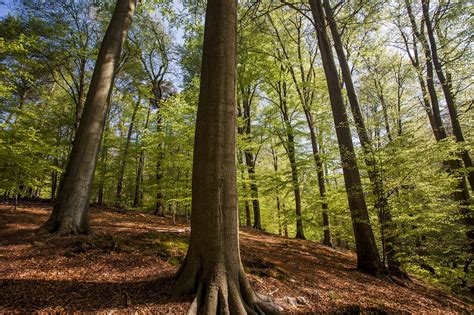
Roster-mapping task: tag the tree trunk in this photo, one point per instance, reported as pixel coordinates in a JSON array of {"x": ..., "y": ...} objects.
[
  {"x": 123, "y": 162},
  {"x": 376, "y": 179},
  {"x": 248, "y": 219},
  {"x": 448, "y": 94},
  {"x": 71, "y": 212},
  {"x": 290, "y": 150},
  {"x": 368, "y": 258},
  {"x": 275, "y": 168},
  {"x": 159, "y": 207},
  {"x": 138, "y": 195},
  {"x": 250, "y": 158},
  {"x": 212, "y": 268},
  {"x": 250, "y": 161},
  {"x": 461, "y": 194},
  {"x": 305, "y": 95}
]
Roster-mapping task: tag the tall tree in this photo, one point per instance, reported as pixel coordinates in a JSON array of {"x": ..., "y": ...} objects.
[
  {"x": 212, "y": 268},
  {"x": 123, "y": 160},
  {"x": 71, "y": 212},
  {"x": 448, "y": 93},
  {"x": 152, "y": 44},
  {"x": 368, "y": 258},
  {"x": 304, "y": 83},
  {"x": 375, "y": 176}
]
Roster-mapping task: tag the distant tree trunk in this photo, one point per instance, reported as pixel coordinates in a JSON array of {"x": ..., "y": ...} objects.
[
  {"x": 448, "y": 93},
  {"x": 290, "y": 150},
  {"x": 123, "y": 161},
  {"x": 247, "y": 95},
  {"x": 138, "y": 195},
  {"x": 159, "y": 208},
  {"x": 275, "y": 168},
  {"x": 103, "y": 163},
  {"x": 250, "y": 161},
  {"x": 306, "y": 94},
  {"x": 415, "y": 61},
  {"x": 54, "y": 180},
  {"x": 248, "y": 219},
  {"x": 212, "y": 268},
  {"x": 368, "y": 258},
  {"x": 71, "y": 212},
  {"x": 80, "y": 93}
]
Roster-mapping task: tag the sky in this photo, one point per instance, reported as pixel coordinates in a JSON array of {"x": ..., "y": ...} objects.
[{"x": 5, "y": 7}]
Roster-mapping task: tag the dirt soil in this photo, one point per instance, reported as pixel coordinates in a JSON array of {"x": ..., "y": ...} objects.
[{"x": 127, "y": 266}]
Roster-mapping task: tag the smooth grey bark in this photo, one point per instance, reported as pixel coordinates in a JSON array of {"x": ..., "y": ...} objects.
[
  {"x": 212, "y": 268},
  {"x": 368, "y": 258},
  {"x": 71, "y": 212}
]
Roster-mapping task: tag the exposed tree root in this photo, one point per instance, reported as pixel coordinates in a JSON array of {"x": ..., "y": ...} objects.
[{"x": 221, "y": 292}]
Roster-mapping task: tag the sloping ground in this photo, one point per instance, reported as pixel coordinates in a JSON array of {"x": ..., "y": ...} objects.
[{"x": 127, "y": 266}]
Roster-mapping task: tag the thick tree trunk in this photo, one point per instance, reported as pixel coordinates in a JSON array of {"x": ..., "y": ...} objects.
[
  {"x": 123, "y": 162},
  {"x": 212, "y": 268},
  {"x": 368, "y": 258},
  {"x": 71, "y": 212},
  {"x": 448, "y": 93}
]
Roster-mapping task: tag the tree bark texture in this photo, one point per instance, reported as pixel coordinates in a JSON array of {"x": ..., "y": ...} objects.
[{"x": 212, "y": 268}]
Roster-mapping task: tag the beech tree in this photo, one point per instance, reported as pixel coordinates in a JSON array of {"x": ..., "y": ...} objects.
[
  {"x": 212, "y": 268},
  {"x": 71, "y": 212},
  {"x": 368, "y": 258}
]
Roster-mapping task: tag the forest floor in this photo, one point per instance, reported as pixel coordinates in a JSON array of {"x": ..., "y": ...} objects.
[{"x": 127, "y": 266}]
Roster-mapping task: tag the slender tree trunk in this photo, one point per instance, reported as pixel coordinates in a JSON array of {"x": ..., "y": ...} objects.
[
  {"x": 368, "y": 258},
  {"x": 454, "y": 167},
  {"x": 275, "y": 168},
  {"x": 250, "y": 158},
  {"x": 212, "y": 268},
  {"x": 138, "y": 195},
  {"x": 80, "y": 93},
  {"x": 71, "y": 212},
  {"x": 281, "y": 90},
  {"x": 375, "y": 176},
  {"x": 321, "y": 182},
  {"x": 123, "y": 162},
  {"x": 159, "y": 207},
  {"x": 248, "y": 219},
  {"x": 305, "y": 95},
  {"x": 448, "y": 93},
  {"x": 250, "y": 161}
]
